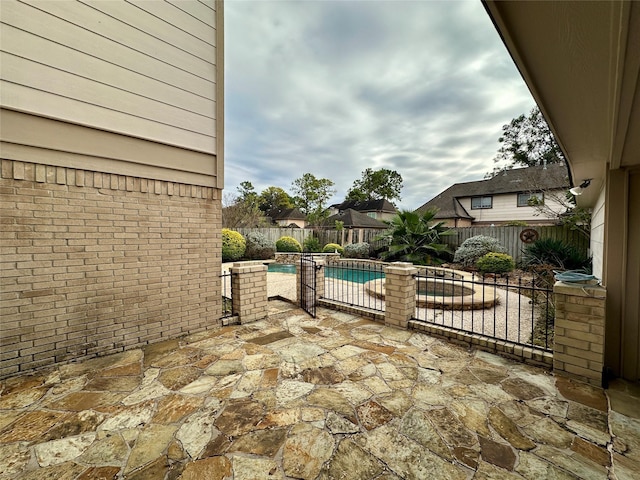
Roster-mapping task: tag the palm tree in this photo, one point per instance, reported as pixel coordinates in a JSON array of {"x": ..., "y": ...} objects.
[{"x": 414, "y": 238}]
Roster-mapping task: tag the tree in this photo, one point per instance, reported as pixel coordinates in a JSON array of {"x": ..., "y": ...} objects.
[
  {"x": 574, "y": 217},
  {"x": 376, "y": 184},
  {"x": 527, "y": 141},
  {"x": 311, "y": 195},
  {"x": 247, "y": 193},
  {"x": 242, "y": 210},
  {"x": 274, "y": 197},
  {"x": 413, "y": 237}
]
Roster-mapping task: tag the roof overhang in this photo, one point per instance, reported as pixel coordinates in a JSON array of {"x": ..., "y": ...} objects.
[{"x": 580, "y": 60}]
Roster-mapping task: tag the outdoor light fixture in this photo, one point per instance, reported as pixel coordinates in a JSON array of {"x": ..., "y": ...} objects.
[{"x": 578, "y": 190}]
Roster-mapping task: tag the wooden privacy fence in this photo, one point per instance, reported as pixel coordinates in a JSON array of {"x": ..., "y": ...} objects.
[
  {"x": 341, "y": 237},
  {"x": 509, "y": 237}
]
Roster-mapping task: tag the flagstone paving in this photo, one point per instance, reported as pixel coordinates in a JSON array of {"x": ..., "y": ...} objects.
[{"x": 292, "y": 397}]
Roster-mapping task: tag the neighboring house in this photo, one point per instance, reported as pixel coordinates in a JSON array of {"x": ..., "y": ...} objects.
[
  {"x": 351, "y": 218},
  {"x": 381, "y": 209},
  {"x": 288, "y": 217},
  {"x": 503, "y": 198},
  {"x": 111, "y": 137},
  {"x": 582, "y": 66},
  {"x": 357, "y": 226}
]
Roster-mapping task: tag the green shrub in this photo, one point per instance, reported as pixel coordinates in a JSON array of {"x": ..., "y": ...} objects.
[
  {"x": 495, "y": 263},
  {"x": 312, "y": 244},
  {"x": 288, "y": 244},
  {"x": 357, "y": 250},
  {"x": 475, "y": 247},
  {"x": 557, "y": 253},
  {"x": 259, "y": 247},
  {"x": 416, "y": 238},
  {"x": 333, "y": 247},
  {"x": 233, "y": 245}
]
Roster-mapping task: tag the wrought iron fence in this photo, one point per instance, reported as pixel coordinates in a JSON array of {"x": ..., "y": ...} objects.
[
  {"x": 355, "y": 283},
  {"x": 520, "y": 311},
  {"x": 308, "y": 284},
  {"x": 225, "y": 280}
]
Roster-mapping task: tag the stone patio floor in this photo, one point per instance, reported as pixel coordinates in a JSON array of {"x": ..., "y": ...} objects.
[{"x": 337, "y": 397}]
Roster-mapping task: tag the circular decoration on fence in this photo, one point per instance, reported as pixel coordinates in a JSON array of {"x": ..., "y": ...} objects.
[{"x": 529, "y": 235}]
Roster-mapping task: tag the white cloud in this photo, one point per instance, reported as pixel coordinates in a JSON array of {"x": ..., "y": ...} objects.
[{"x": 335, "y": 87}]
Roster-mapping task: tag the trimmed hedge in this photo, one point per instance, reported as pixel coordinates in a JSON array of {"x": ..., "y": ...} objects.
[
  {"x": 233, "y": 245},
  {"x": 288, "y": 244},
  {"x": 495, "y": 263}
]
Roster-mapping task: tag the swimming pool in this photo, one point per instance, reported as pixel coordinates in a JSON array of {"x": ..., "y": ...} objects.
[
  {"x": 281, "y": 268},
  {"x": 341, "y": 273}
]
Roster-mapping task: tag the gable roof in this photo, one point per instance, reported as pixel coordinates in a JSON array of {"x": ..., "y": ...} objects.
[
  {"x": 379, "y": 205},
  {"x": 355, "y": 219},
  {"x": 286, "y": 214},
  {"x": 516, "y": 180}
]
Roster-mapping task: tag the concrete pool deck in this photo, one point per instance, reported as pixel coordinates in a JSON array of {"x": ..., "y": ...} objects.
[{"x": 334, "y": 397}]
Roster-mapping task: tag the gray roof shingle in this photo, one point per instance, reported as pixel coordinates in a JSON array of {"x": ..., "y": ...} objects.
[
  {"x": 529, "y": 179},
  {"x": 379, "y": 205},
  {"x": 355, "y": 219}
]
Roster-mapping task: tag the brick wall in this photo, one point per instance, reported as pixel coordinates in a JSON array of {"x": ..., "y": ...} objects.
[
  {"x": 578, "y": 350},
  {"x": 249, "y": 287},
  {"x": 95, "y": 263},
  {"x": 400, "y": 294}
]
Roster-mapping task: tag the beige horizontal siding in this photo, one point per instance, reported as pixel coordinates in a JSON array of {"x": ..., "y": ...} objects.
[
  {"x": 597, "y": 234},
  {"x": 30, "y": 138},
  {"x": 96, "y": 22},
  {"x": 31, "y": 48},
  {"x": 16, "y": 96},
  {"x": 505, "y": 208},
  {"x": 194, "y": 24},
  {"x": 59, "y": 31},
  {"x": 139, "y": 19},
  {"x": 202, "y": 10},
  {"x": 77, "y": 78},
  {"x": 73, "y": 87}
]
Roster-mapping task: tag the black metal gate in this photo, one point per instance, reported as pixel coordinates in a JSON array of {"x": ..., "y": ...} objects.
[{"x": 308, "y": 284}]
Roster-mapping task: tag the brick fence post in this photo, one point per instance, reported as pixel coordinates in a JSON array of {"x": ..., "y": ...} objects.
[
  {"x": 578, "y": 349},
  {"x": 400, "y": 294},
  {"x": 249, "y": 291}
]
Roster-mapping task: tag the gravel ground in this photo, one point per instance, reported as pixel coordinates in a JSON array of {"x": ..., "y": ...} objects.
[{"x": 513, "y": 318}]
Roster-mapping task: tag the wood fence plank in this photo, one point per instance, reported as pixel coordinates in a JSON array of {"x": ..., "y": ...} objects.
[{"x": 509, "y": 237}]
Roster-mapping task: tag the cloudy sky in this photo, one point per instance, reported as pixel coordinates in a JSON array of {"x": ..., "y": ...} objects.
[{"x": 334, "y": 87}]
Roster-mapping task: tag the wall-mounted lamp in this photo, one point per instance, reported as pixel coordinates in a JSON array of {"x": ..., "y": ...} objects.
[{"x": 578, "y": 190}]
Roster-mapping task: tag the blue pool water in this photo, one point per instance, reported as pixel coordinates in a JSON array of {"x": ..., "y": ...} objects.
[
  {"x": 281, "y": 268},
  {"x": 348, "y": 274}
]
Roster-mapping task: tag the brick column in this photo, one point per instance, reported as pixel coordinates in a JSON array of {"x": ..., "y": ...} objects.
[
  {"x": 319, "y": 267},
  {"x": 400, "y": 294},
  {"x": 578, "y": 349},
  {"x": 249, "y": 291}
]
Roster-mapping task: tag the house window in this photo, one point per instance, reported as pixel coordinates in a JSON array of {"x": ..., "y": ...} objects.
[
  {"x": 481, "y": 202},
  {"x": 527, "y": 199},
  {"x": 372, "y": 214}
]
